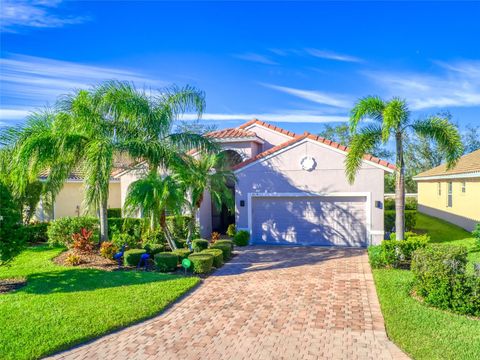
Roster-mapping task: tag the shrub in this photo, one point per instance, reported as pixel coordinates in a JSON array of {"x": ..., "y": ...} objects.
[
  {"x": 201, "y": 263},
  {"x": 217, "y": 256},
  {"x": 226, "y": 249},
  {"x": 410, "y": 204},
  {"x": 35, "y": 233},
  {"x": 11, "y": 241},
  {"x": 126, "y": 239},
  {"x": 395, "y": 253},
  {"x": 132, "y": 257},
  {"x": 389, "y": 204},
  {"x": 130, "y": 226},
  {"x": 231, "y": 230},
  {"x": 73, "y": 259},
  {"x": 199, "y": 245},
  {"x": 436, "y": 269},
  {"x": 153, "y": 237},
  {"x": 241, "y": 238},
  {"x": 153, "y": 249},
  {"x": 166, "y": 261},
  {"x": 114, "y": 213},
  {"x": 61, "y": 230},
  {"x": 178, "y": 225},
  {"x": 476, "y": 234},
  {"x": 215, "y": 236},
  {"x": 82, "y": 241},
  {"x": 182, "y": 254},
  {"x": 225, "y": 242},
  {"x": 410, "y": 219},
  {"x": 108, "y": 249},
  {"x": 181, "y": 243},
  {"x": 376, "y": 257},
  {"x": 406, "y": 235}
]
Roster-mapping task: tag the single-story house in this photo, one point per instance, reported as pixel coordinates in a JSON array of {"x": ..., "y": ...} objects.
[
  {"x": 291, "y": 190},
  {"x": 452, "y": 195}
]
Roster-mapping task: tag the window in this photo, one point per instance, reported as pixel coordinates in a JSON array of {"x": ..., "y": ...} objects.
[
  {"x": 449, "y": 195},
  {"x": 439, "y": 189},
  {"x": 464, "y": 187}
]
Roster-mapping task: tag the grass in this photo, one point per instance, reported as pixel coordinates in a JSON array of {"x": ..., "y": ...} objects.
[
  {"x": 422, "y": 331},
  {"x": 60, "y": 307}
]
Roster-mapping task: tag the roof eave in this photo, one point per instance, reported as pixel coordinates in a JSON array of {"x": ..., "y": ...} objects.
[{"x": 468, "y": 175}]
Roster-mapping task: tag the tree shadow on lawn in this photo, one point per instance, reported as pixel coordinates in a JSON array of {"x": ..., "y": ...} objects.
[
  {"x": 73, "y": 280},
  {"x": 263, "y": 258}
]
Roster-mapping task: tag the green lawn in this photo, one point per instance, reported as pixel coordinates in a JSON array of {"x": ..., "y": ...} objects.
[
  {"x": 421, "y": 331},
  {"x": 60, "y": 307}
]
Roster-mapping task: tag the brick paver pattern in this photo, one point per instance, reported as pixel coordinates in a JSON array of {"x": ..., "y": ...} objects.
[{"x": 266, "y": 303}]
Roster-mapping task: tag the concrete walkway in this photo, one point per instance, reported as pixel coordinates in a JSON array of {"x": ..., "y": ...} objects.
[{"x": 267, "y": 303}]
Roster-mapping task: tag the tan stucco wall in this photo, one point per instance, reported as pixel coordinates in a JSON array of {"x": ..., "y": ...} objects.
[
  {"x": 466, "y": 205},
  {"x": 72, "y": 195}
]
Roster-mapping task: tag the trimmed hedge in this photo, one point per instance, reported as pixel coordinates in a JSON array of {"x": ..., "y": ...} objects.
[
  {"x": 410, "y": 219},
  {"x": 410, "y": 204},
  {"x": 242, "y": 238},
  {"x": 166, "y": 261},
  {"x": 441, "y": 280},
  {"x": 201, "y": 263},
  {"x": 181, "y": 243},
  {"x": 132, "y": 257},
  {"x": 61, "y": 230},
  {"x": 114, "y": 213},
  {"x": 225, "y": 242},
  {"x": 393, "y": 253},
  {"x": 226, "y": 249},
  {"x": 217, "y": 256},
  {"x": 182, "y": 254},
  {"x": 35, "y": 233},
  {"x": 199, "y": 245}
]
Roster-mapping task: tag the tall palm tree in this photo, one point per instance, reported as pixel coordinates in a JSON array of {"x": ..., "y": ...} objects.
[
  {"x": 153, "y": 196},
  {"x": 392, "y": 121},
  {"x": 209, "y": 172}
]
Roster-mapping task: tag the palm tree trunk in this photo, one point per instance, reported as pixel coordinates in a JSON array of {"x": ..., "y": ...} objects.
[
  {"x": 400, "y": 190},
  {"x": 103, "y": 220},
  {"x": 166, "y": 231}
]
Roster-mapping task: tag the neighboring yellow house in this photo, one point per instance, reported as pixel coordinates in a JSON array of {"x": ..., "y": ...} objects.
[{"x": 452, "y": 195}]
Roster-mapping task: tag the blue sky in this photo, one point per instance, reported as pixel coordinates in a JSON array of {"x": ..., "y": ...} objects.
[{"x": 295, "y": 64}]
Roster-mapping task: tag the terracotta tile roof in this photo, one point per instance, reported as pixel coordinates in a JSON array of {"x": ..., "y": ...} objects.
[
  {"x": 469, "y": 163},
  {"x": 232, "y": 133},
  {"x": 267, "y": 125},
  {"x": 316, "y": 138}
]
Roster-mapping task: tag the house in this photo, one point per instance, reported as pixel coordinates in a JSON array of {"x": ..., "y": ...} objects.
[
  {"x": 291, "y": 190},
  {"x": 452, "y": 195}
]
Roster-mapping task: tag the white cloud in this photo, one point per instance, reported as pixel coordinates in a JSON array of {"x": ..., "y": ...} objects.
[
  {"x": 330, "y": 99},
  {"x": 29, "y": 82},
  {"x": 292, "y": 117},
  {"x": 458, "y": 85},
  {"x": 258, "y": 58},
  {"x": 330, "y": 55},
  {"x": 13, "y": 114},
  {"x": 37, "y": 14}
]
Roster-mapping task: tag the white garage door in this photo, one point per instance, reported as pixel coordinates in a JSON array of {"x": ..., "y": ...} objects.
[{"x": 309, "y": 220}]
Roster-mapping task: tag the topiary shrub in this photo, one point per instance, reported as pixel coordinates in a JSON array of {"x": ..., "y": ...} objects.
[
  {"x": 166, "y": 261},
  {"x": 132, "y": 257},
  {"x": 226, "y": 249},
  {"x": 410, "y": 219},
  {"x": 126, "y": 239},
  {"x": 181, "y": 243},
  {"x": 182, "y": 254},
  {"x": 201, "y": 263},
  {"x": 61, "y": 230},
  {"x": 217, "y": 256},
  {"x": 225, "y": 242},
  {"x": 199, "y": 245},
  {"x": 153, "y": 249},
  {"x": 108, "y": 249},
  {"x": 231, "y": 230},
  {"x": 242, "y": 238},
  {"x": 114, "y": 213}
]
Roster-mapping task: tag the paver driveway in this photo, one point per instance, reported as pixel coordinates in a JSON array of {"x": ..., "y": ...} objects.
[{"x": 267, "y": 303}]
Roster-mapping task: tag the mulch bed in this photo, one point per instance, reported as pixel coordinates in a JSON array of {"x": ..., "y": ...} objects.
[
  {"x": 7, "y": 285},
  {"x": 90, "y": 261}
]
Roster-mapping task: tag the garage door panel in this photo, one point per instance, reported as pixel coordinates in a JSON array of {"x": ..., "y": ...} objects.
[{"x": 309, "y": 221}]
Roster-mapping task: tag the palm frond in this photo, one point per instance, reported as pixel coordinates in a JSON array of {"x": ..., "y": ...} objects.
[
  {"x": 394, "y": 115},
  {"x": 362, "y": 143},
  {"x": 367, "y": 107}
]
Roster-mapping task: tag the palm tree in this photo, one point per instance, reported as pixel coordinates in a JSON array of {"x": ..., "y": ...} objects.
[
  {"x": 208, "y": 172},
  {"x": 153, "y": 196},
  {"x": 392, "y": 120}
]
